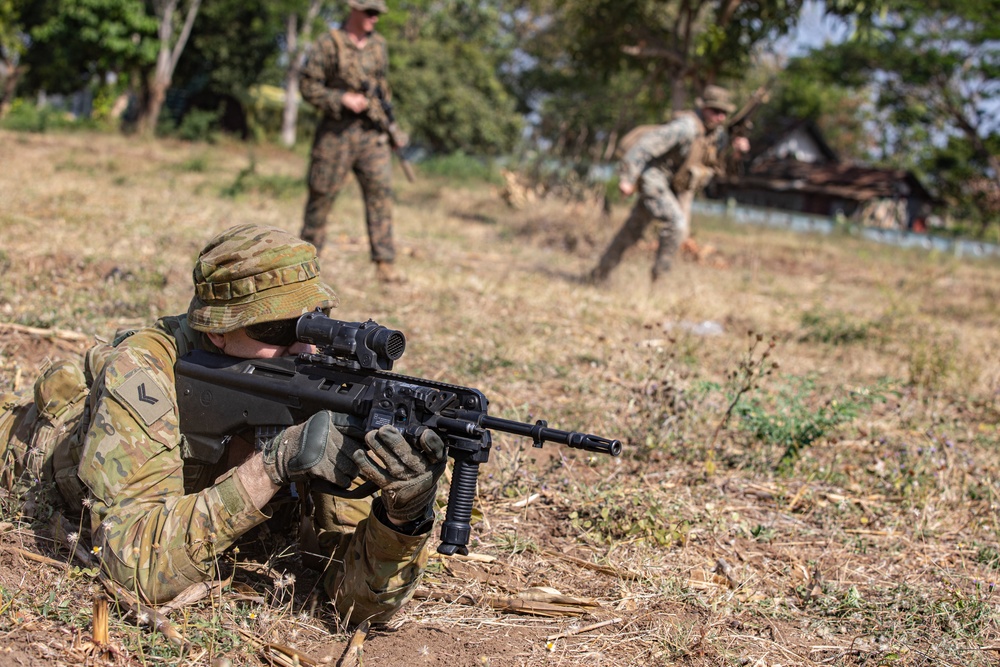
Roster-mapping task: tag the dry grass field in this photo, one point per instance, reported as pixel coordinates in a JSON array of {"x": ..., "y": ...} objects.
[{"x": 811, "y": 426}]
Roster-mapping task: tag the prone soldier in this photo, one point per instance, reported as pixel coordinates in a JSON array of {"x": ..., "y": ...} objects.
[{"x": 108, "y": 439}]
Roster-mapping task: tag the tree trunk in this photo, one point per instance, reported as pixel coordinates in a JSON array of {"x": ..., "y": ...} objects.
[
  {"x": 290, "y": 118},
  {"x": 166, "y": 60},
  {"x": 13, "y": 74},
  {"x": 296, "y": 44}
]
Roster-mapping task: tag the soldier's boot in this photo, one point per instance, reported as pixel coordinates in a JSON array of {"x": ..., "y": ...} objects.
[
  {"x": 610, "y": 259},
  {"x": 665, "y": 253},
  {"x": 387, "y": 274}
]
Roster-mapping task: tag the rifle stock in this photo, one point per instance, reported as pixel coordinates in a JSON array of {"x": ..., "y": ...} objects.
[{"x": 219, "y": 396}]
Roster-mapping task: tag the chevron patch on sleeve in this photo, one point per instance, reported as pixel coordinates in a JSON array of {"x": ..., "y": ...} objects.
[{"x": 144, "y": 396}]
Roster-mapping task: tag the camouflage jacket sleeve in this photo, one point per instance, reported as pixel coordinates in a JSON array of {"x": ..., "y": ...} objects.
[
  {"x": 380, "y": 570},
  {"x": 677, "y": 134},
  {"x": 154, "y": 538},
  {"x": 321, "y": 66}
]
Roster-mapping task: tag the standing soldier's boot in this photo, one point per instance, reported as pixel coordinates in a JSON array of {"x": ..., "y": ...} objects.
[{"x": 387, "y": 274}]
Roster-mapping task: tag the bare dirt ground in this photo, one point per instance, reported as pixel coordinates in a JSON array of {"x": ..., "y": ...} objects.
[{"x": 810, "y": 474}]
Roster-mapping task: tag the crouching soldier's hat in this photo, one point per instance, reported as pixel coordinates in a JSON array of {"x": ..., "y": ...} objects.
[{"x": 716, "y": 97}]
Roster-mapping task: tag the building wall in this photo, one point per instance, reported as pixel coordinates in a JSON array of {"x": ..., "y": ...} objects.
[{"x": 797, "y": 145}]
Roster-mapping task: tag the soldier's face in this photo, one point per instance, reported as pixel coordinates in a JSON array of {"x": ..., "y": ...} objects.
[
  {"x": 366, "y": 19},
  {"x": 713, "y": 118},
  {"x": 239, "y": 344}
]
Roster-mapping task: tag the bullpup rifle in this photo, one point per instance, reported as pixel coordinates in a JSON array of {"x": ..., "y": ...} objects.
[{"x": 220, "y": 396}]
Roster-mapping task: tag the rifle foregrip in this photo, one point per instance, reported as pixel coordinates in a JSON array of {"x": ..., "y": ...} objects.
[{"x": 456, "y": 529}]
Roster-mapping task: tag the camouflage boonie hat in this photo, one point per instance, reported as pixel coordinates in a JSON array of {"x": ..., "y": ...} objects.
[
  {"x": 250, "y": 274},
  {"x": 716, "y": 97},
  {"x": 364, "y": 5}
]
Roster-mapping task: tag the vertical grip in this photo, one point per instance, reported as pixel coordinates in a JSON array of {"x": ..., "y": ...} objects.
[{"x": 455, "y": 530}]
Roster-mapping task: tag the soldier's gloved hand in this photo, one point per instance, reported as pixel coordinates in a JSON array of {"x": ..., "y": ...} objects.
[
  {"x": 315, "y": 448},
  {"x": 406, "y": 474}
]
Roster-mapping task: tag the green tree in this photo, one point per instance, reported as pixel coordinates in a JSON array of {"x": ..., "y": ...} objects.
[
  {"x": 13, "y": 42},
  {"x": 73, "y": 42},
  {"x": 173, "y": 30},
  {"x": 446, "y": 57},
  {"x": 934, "y": 71},
  {"x": 618, "y": 63},
  {"x": 303, "y": 20}
]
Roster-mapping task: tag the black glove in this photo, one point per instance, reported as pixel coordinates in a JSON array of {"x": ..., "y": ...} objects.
[
  {"x": 315, "y": 448},
  {"x": 406, "y": 474}
]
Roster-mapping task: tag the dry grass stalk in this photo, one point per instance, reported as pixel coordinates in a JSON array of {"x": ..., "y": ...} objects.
[
  {"x": 38, "y": 558},
  {"x": 583, "y": 628},
  {"x": 353, "y": 655},
  {"x": 99, "y": 630},
  {"x": 145, "y": 614},
  {"x": 195, "y": 593},
  {"x": 45, "y": 333},
  {"x": 286, "y": 656}
]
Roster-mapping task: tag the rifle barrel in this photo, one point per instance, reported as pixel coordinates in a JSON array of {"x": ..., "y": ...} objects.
[{"x": 540, "y": 432}]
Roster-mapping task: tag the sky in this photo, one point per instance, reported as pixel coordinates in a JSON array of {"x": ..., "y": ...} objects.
[{"x": 813, "y": 29}]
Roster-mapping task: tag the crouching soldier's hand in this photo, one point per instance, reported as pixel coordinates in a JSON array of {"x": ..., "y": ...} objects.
[
  {"x": 406, "y": 474},
  {"x": 315, "y": 448}
]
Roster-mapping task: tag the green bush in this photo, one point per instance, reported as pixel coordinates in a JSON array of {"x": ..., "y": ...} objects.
[
  {"x": 198, "y": 125},
  {"x": 25, "y": 116},
  {"x": 790, "y": 420},
  {"x": 459, "y": 167}
]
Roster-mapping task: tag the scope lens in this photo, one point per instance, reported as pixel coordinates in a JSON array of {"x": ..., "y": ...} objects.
[{"x": 389, "y": 343}]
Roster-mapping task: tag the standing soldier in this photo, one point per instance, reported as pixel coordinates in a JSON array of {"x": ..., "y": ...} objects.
[
  {"x": 670, "y": 163},
  {"x": 345, "y": 78}
]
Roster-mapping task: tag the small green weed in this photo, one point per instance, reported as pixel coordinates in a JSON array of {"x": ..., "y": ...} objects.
[
  {"x": 277, "y": 186},
  {"x": 989, "y": 555},
  {"x": 835, "y": 328},
  {"x": 931, "y": 362},
  {"x": 197, "y": 164},
  {"x": 616, "y": 515},
  {"x": 751, "y": 369},
  {"x": 514, "y": 543},
  {"x": 791, "y": 423}
]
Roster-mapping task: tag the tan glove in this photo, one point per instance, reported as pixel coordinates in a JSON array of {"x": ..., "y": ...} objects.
[
  {"x": 315, "y": 448},
  {"x": 406, "y": 474}
]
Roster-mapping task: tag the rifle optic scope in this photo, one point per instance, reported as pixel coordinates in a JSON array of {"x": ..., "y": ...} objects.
[{"x": 368, "y": 344}]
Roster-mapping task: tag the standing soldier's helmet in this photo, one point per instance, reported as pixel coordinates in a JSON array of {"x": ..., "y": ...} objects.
[
  {"x": 251, "y": 274},
  {"x": 365, "y": 5}
]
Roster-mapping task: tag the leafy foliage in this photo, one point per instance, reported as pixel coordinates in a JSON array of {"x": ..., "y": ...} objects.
[
  {"x": 76, "y": 41},
  {"x": 933, "y": 70},
  {"x": 792, "y": 423},
  {"x": 444, "y": 60}
]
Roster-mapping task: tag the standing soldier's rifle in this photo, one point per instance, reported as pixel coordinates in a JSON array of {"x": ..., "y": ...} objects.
[{"x": 386, "y": 122}]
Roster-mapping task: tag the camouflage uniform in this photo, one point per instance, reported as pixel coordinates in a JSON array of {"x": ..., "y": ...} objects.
[
  {"x": 670, "y": 163},
  {"x": 346, "y": 141},
  {"x": 160, "y": 511}
]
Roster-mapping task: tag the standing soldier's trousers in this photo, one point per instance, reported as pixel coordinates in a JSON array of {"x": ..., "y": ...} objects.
[
  {"x": 672, "y": 213},
  {"x": 335, "y": 154}
]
